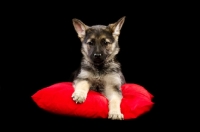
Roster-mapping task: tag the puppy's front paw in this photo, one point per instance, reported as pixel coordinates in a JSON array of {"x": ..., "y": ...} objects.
[
  {"x": 114, "y": 115},
  {"x": 79, "y": 96}
]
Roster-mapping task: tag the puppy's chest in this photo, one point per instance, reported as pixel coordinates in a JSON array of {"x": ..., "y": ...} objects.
[{"x": 97, "y": 81}]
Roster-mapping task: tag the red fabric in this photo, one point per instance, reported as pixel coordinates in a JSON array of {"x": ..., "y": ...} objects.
[{"x": 57, "y": 99}]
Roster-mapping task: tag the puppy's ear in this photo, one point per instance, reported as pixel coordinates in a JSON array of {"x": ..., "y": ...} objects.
[
  {"x": 80, "y": 27},
  {"x": 116, "y": 27}
]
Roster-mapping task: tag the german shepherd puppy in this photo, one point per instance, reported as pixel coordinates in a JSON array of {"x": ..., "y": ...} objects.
[{"x": 99, "y": 69}]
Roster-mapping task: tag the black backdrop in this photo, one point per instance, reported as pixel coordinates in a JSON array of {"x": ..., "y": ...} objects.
[{"x": 46, "y": 50}]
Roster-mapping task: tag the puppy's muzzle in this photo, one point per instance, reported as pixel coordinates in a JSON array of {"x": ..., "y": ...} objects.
[{"x": 98, "y": 58}]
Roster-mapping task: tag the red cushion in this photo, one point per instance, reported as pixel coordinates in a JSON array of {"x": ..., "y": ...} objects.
[{"x": 57, "y": 99}]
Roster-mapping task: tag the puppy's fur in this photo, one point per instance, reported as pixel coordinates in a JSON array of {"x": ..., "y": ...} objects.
[{"x": 99, "y": 69}]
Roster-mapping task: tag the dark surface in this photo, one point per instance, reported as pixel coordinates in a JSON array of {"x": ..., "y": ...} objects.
[{"x": 46, "y": 50}]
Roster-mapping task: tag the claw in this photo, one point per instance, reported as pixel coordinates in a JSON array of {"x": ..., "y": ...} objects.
[{"x": 116, "y": 117}]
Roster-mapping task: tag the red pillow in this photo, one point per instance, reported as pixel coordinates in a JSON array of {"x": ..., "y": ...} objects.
[{"x": 57, "y": 99}]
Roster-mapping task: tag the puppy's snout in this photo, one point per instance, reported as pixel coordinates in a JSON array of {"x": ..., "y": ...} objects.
[{"x": 97, "y": 55}]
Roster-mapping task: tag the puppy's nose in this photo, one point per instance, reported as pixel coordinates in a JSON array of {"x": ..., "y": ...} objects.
[{"x": 97, "y": 55}]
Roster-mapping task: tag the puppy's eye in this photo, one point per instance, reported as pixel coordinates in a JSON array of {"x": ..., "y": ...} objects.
[
  {"x": 90, "y": 43},
  {"x": 105, "y": 42}
]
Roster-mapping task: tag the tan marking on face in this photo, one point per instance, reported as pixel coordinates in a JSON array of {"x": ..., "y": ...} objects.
[
  {"x": 91, "y": 38},
  {"x": 81, "y": 38},
  {"x": 110, "y": 47},
  {"x": 107, "y": 40},
  {"x": 85, "y": 48},
  {"x": 116, "y": 37},
  {"x": 102, "y": 37}
]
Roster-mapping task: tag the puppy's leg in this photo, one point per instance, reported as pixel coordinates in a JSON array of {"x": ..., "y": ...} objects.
[
  {"x": 113, "y": 93},
  {"x": 114, "y": 106},
  {"x": 81, "y": 90}
]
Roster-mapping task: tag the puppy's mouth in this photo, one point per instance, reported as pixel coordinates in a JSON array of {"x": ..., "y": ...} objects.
[{"x": 98, "y": 61}]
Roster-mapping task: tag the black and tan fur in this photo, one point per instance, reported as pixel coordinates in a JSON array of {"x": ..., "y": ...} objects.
[{"x": 100, "y": 70}]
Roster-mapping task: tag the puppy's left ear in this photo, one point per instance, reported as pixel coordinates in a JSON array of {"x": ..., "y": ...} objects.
[{"x": 116, "y": 27}]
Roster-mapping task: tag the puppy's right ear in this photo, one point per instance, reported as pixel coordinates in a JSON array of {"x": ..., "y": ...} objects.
[{"x": 80, "y": 27}]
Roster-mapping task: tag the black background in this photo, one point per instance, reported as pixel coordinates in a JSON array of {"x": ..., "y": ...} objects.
[{"x": 44, "y": 49}]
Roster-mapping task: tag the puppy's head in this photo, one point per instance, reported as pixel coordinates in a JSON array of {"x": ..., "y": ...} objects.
[{"x": 99, "y": 43}]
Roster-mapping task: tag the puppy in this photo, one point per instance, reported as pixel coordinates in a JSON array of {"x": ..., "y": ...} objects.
[{"x": 99, "y": 70}]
